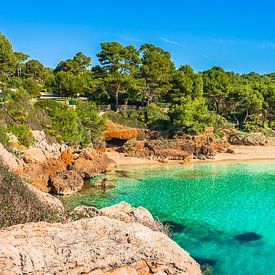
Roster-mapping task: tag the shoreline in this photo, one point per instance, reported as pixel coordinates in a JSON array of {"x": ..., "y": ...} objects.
[{"x": 241, "y": 153}]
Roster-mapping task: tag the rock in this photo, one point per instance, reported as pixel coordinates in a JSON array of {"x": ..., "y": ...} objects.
[
  {"x": 183, "y": 148},
  {"x": 104, "y": 183},
  {"x": 83, "y": 211},
  {"x": 91, "y": 163},
  {"x": 117, "y": 131},
  {"x": 98, "y": 245},
  {"x": 229, "y": 151},
  {"x": 34, "y": 155},
  {"x": 126, "y": 213},
  {"x": 9, "y": 160},
  {"x": 50, "y": 201},
  {"x": 248, "y": 139},
  {"x": 65, "y": 182}
]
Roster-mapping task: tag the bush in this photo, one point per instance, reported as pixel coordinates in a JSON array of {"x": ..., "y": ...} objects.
[
  {"x": 23, "y": 134},
  {"x": 89, "y": 116},
  {"x": 64, "y": 123},
  {"x": 18, "y": 204},
  {"x": 4, "y": 140},
  {"x": 151, "y": 117}
]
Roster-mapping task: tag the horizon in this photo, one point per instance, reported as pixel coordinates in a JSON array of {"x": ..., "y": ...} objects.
[{"x": 236, "y": 36}]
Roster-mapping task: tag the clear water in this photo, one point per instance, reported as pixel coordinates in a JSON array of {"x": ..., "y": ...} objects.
[{"x": 208, "y": 205}]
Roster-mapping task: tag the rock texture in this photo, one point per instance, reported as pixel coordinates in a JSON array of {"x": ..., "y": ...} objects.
[
  {"x": 117, "y": 131},
  {"x": 98, "y": 245},
  {"x": 91, "y": 163},
  {"x": 122, "y": 211},
  {"x": 187, "y": 147},
  {"x": 9, "y": 160},
  {"x": 249, "y": 139}
]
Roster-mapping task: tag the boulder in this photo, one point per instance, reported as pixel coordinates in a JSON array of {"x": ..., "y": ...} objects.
[
  {"x": 248, "y": 139},
  {"x": 91, "y": 163},
  {"x": 65, "y": 182},
  {"x": 50, "y": 201},
  {"x": 98, "y": 245},
  {"x": 117, "y": 131},
  {"x": 34, "y": 155},
  {"x": 9, "y": 160}
]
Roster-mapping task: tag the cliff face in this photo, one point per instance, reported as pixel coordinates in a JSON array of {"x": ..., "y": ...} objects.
[{"x": 98, "y": 245}]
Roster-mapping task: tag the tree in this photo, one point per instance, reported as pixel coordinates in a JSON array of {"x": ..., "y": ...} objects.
[
  {"x": 186, "y": 83},
  {"x": 21, "y": 58},
  {"x": 216, "y": 89},
  {"x": 78, "y": 64},
  {"x": 120, "y": 65},
  {"x": 35, "y": 70},
  {"x": 156, "y": 70},
  {"x": 7, "y": 58}
]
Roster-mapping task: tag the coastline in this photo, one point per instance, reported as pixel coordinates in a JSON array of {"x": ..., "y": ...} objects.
[{"x": 241, "y": 153}]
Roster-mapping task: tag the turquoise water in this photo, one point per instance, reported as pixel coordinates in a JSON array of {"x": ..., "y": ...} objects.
[{"x": 209, "y": 207}]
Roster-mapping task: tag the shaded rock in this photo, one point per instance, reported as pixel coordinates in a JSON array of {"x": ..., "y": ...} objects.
[
  {"x": 50, "y": 201},
  {"x": 65, "y": 182},
  {"x": 248, "y": 237},
  {"x": 99, "y": 245},
  {"x": 34, "y": 155},
  {"x": 117, "y": 131},
  {"x": 9, "y": 160},
  {"x": 91, "y": 163},
  {"x": 249, "y": 139}
]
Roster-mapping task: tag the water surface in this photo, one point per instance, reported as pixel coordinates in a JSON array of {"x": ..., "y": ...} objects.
[{"x": 221, "y": 213}]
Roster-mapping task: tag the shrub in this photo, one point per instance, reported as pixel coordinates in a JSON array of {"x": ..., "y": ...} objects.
[
  {"x": 64, "y": 123},
  {"x": 23, "y": 134},
  {"x": 89, "y": 116},
  {"x": 18, "y": 204},
  {"x": 4, "y": 140}
]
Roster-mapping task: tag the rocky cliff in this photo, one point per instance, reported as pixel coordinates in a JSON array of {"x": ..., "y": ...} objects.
[{"x": 99, "y": 245}]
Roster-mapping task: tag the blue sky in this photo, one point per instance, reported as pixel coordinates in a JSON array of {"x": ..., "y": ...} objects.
[{"x": 237, "y": 35}]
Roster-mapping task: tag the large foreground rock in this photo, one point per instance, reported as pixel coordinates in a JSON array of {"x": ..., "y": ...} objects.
[{"x": 99, "y": 245}]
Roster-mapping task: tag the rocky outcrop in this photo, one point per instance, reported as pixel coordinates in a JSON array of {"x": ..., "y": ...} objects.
[
  {"x": 34, "y": 155},
  {"x": 249, "y": 139},
  {"x": 187, "y": 147},
  {"x": 65, "y": 182},
  {"x": 91, "y": 163},
  {"x": 9, "y": 160},
  {"x": 122, "y": 211},
  {"x": 48, "y": 200},
  {"x": 98, "y": 245},
  {"x": 117, "y": 131}
]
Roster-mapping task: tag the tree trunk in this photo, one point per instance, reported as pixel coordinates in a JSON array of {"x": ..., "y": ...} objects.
[
  {"x": 116, "y": 98},
  {"x": 246, "y": 116}
]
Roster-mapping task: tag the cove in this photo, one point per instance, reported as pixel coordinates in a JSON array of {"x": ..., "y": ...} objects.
[{"x": 221, "y": 213}]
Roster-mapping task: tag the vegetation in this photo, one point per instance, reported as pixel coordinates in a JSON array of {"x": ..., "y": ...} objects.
[
  {"x": 18, "y": 204},
  {"x": 144, "y": 77}
]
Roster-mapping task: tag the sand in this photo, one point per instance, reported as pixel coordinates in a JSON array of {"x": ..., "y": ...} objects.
[{"x": 240, "y": 153}]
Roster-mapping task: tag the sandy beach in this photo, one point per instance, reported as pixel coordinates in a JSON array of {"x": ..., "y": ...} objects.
[{"x": 240, "y": 153}]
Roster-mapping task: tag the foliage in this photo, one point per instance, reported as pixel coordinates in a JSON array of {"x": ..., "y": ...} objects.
[
  {"x": 64, "y": 123},
  {"x": 23, "y": 134},
  {"x": 89, "y": 116},
  {"x": 18, "y": 204},
  {"x": 4, "y": 140}
]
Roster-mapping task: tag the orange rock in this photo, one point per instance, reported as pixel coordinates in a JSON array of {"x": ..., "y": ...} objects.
[{"x": 118, "y": 131}]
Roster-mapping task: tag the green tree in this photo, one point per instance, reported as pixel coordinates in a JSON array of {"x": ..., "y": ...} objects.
[
  {"x": 7, "y": 58},
  {"x": 120, "y": 65},
  {"x": 156, "y": 71}
]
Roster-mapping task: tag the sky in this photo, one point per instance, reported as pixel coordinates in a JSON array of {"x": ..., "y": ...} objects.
[{"x": 237, "y": 35}]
